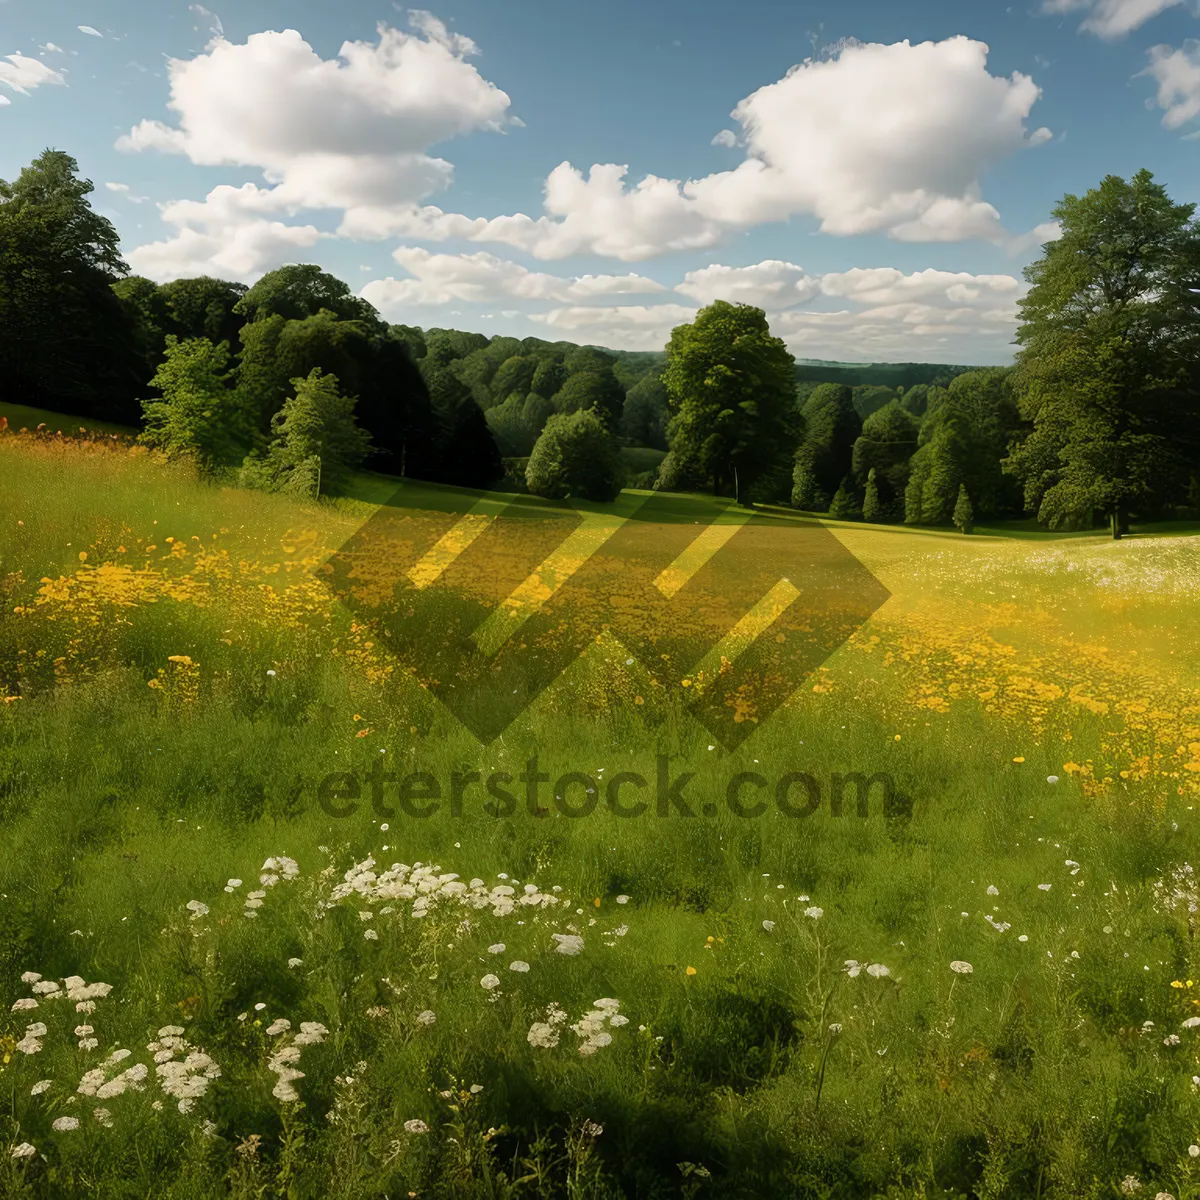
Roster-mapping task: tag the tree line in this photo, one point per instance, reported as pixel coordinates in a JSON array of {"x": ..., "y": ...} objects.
[{"x": 294, "y": 382}]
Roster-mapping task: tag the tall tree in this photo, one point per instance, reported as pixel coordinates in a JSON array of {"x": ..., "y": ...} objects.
[
  {"x": 645, "y": 415},
  {"x": 467, "y": 455},
  {"x": 887, "y": 443},
  {"x": 1109, "y": 367},
  {"x": 69, "y": 343},
  {"x": 825, "y": 452},
  {"x": 316, "y": 440},
  {"x": 731, "y": 388},
  {"x": 204, "y": 307},
  {"x": 199, "y": 413},
  {"x": 301, "y": 290}
]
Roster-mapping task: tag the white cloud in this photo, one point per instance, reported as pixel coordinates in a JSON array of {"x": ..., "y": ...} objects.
[
  {"x": 859, "y": 314},
  {"x": 89, "y": 31},
  {"x": 1177, "y": 73},
  {"x": 726, "y": 137},
  {"x": 124, "y": 190},
  {"x": 769, "y": 284},
  {"x": 23, "y": 74},
  {"x": 227, "y": 234},
  {"x": 1111, "y": 18},
  {"x": 51, "y": 48},
  {"x": 482, "y": 277},
  {"x": 349, "y": 133},
  {"x": 876, "y": 137},
  {"x": 1039, "y": 235}
]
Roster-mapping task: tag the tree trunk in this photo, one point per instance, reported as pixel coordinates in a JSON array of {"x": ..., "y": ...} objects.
[{"x": 1115, "y": 524}]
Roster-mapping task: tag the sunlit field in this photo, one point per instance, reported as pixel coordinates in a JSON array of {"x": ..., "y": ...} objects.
[{"x": 988, "y": 985}]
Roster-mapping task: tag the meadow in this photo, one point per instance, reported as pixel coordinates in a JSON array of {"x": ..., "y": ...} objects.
[{"x": 211, "y": 986}]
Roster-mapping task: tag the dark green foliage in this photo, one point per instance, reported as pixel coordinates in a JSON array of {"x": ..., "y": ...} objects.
[
  {"x": 593, "y": 389},
  {"x": 517, "y": 423},
  {"x": 204, "y": 307},
  {"x": 888, "y": 375},
  {"x": 550, "y": 375},
  {"x": 466, "y": 452},
  {"x": 199, "y": 413},
  {"x": 477, "y": 371},
  {"x": 374, "y": 366},
  {"x": 302, "y": 290},
  {"x": 873, "y": 509},
  {"x": 888, "y": 441},
  {"x": 915, "y": 399},
  {"x": 731, "y": 390},
  {"x": 515, "y": 374},
  {"x": 825, "y": 453},
  {"x": 964, "y": 514},
  {"x": 576, "y": 456},
  {"x": 846, "y": 504},
  {"x": 316, "y": 441},
  {"x": 644, "y": 419},
  {"x": 442, "y": 346},
  {"x": 68, "y": 341},
  {"x": 1108, "y": 370},
  {"x": 150, "y": 317},
  {"x": 869, "y": 398},
  {"x": 965, "y": 433}
]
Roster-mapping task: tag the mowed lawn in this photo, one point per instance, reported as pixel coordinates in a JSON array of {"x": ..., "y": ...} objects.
[{"x": 211, "y": 985}]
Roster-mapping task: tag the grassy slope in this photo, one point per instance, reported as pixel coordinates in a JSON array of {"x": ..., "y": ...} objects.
[
  {"x": 22, "y": 415},
  {"x": 126, "y": 802}
]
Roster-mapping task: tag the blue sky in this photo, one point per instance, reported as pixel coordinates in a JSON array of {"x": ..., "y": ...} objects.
[{"x": 875, "y": 175}]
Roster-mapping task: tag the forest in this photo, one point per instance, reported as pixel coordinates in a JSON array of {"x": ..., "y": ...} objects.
[{"x": 292, "y": 383}]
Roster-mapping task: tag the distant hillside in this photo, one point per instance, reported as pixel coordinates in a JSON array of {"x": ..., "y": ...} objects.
[{"x": 890, "y": 375}]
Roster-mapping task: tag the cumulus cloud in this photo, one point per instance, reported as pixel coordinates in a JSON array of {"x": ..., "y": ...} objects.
[
  {"x": 873, "y": 138},
  {"x": 482, "y": 277},
  {"x": 229, "y": 234},
  {"x": 726, "y": 137},
  {"x": 23, "y": 74},
  {"x": 769, "y": 284},
  {"x": 350, "y": 133},
  {"x": 1111, "y": 18},
  {"x": 859, "y": 314},
  {"x": 1177, "y": 73}
]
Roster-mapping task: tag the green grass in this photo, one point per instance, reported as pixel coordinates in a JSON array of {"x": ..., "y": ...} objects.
[{"x": 1034, "y": 1075}]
